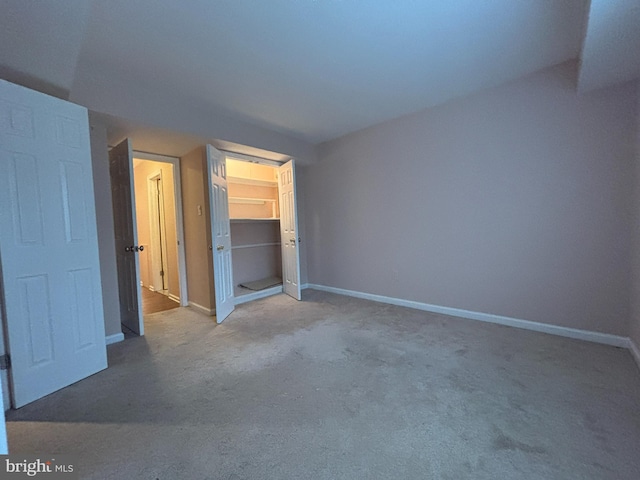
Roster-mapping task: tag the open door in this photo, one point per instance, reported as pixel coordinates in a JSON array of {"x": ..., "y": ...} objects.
[
  {"x": 289, "y": 230},
  {"x": 48, "y": 244},
  {"x": 4, "y": 450},
  {"x": 124, "y": 220},
  {"x": 220, "y": 233}
]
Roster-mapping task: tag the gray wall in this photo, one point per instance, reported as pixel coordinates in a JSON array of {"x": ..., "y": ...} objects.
[
  {"x": 634, "y": 324},
  {"x": 136, "y": 101},
  {"x": 515, "y": 201},
  {"x": 197, "y": 229},
  {"x": 104, "y": 220}
]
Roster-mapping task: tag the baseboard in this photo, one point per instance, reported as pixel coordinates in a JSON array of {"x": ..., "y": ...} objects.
[
  {"x": 588, "y": 335},
  {"x": 151, "y": 288},
  {"x": 173, "y": 297},
  {"x": 635, "y": 351},
  {"x": 201, "y": 309},
  {"x": 115, "y": 338},
  {"x": 249, "y": 297},
  {"x": 304, "y": 286}
]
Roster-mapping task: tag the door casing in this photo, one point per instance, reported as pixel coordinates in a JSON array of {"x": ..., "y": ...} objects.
[{"x": 177, "y": 197}]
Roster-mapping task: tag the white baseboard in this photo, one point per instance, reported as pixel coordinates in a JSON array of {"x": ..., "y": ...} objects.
[
  {"x": 248, "y": 297},
  {"x": 201, "y": 309},
  {"x": 635, "y": 351},
  {"x": 151, "y": 288},
  {"x": 173, "y": 297},
  {"x": 304, "y": 286},
  {"x": 115, "y": 338},
  {"x": 588, "y": 335}
]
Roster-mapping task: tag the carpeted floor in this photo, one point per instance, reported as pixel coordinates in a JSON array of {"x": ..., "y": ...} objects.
[{"x": 336, "y": 387}]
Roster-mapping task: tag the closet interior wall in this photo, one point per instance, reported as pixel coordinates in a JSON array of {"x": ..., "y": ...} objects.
[{"x": 255, "y": 226}]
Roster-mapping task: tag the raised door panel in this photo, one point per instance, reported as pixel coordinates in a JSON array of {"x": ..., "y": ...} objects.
[
  {"x": 48, "y": 242},
  {"x": 220, "y": 233},
  {"x": 289, "y": 231}
]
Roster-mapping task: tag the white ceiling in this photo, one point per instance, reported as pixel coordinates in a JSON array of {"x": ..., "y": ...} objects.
[{"x": 312, "y": 69}]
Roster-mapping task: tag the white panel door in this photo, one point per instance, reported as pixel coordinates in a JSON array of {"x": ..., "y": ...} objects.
[
  {"x": 48, "y": 244},
  {"x": 289, "y": 230},
  {"x": 3, "y": 429},
  {"x": 220, "y": 233},
  {"x": 124, "y": 222}
]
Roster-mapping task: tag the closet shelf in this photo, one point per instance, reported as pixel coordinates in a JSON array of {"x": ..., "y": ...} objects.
[
  {"x": 252, "y": 181},
  {"x": 250, "y": 201},
  {"x": 253, "y": 245},
  {"x": 251, "y": 220}
]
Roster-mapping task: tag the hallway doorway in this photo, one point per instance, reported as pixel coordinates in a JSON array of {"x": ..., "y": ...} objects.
[{"x": 156, "y": 223}]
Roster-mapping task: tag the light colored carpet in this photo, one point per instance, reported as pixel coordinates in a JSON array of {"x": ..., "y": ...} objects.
[{"x": 336, "y": 387}]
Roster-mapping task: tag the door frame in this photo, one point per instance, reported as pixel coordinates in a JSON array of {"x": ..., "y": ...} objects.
[
  {"x": 157, "y": 231},
  {"x": 177, "y": 190}
]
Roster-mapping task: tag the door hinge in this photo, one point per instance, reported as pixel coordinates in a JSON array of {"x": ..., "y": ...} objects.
[
  {"x": 5, "y": 362},
  {"x": 162, "y": 273}
]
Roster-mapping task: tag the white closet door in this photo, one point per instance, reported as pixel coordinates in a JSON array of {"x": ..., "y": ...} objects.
[
  {"x": 4, "y": 450},
  {"x": 220, "y": 233},
  {"x": 49, "y": 245},
  {"x": 126, "y": 233},
  {"x": 289, "y": 230}
]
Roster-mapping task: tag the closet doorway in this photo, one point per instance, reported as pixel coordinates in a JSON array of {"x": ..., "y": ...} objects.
[
  {"x": 263, "y": 219},
  {"x": 157, "y": 226},
  {"x": 241, "y": 217}
]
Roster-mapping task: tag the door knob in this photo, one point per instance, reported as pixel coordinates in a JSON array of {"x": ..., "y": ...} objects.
[
  {"x": 127, "y": 249},
  {"x": 220, "y": 247},
  {"x": 141, "y": 248}
]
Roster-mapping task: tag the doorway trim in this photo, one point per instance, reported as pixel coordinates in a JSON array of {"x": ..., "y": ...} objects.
[
  {"x": 157, "y": 234},
  {"x": 182, "y": 269},
  {"x": 252, "y": 159}
]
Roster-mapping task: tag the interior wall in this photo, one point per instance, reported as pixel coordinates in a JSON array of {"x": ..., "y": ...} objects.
[
  {"x": 255, "y": 263},
  {"x": 141, "y": 173},
  {"x": 153, "y": 107},
  {"x": 197, "y": 232},
  {"x": 142, "y": 222},
  {"x": 516, "y": 201},
  {"x": 104, "y": 221},
  {"x": 634, "y": 323}
]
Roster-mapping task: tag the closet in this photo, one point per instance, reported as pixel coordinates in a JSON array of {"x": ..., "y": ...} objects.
[
  {"x": 240, "y": 229},
  {"x": 254, "y": 216}
]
